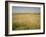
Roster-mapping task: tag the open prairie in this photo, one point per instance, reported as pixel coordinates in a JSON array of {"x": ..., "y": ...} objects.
[{"x": 25, "y": 21}]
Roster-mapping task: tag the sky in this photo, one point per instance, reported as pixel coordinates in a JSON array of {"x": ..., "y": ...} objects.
[{"x": 18, "y": 9}]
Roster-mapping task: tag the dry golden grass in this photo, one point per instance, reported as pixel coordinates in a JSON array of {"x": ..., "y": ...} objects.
[{"x": 26, "y": 21}]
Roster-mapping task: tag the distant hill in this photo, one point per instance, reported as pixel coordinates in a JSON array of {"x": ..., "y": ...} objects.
[{"x": 26, "y": 13}]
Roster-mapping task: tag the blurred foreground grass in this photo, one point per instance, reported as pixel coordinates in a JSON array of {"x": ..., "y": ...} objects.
[{"x": 22, "y": 26}]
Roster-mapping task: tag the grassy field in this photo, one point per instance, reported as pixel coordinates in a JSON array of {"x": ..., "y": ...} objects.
[{"x": 25, "y": 21}]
